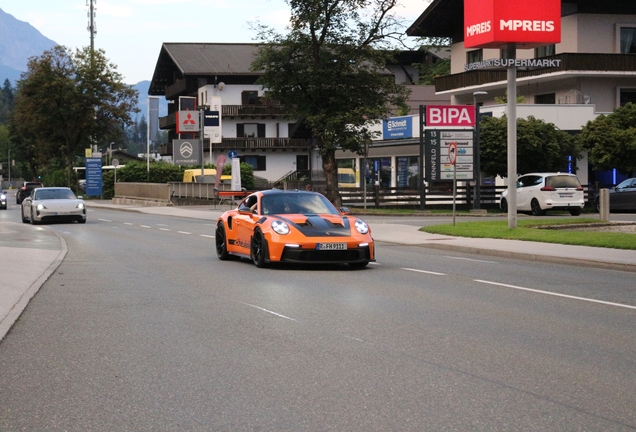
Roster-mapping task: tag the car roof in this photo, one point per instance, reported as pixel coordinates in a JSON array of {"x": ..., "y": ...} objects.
[
  {"x": 545, "y": 174},
  {"x": 285, "y": 191}
]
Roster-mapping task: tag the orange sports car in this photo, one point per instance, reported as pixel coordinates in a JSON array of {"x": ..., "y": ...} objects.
[{"x": 294, "y": 227}]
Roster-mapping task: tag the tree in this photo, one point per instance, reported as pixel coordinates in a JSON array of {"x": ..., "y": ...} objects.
[
  {"x": 329, "y": 72},
  {"x": 66, "y": 102},
  {"x": 611, "y": 140},
  {"x": 540, "y": 146},
  {"x": 6, "y": 101}
]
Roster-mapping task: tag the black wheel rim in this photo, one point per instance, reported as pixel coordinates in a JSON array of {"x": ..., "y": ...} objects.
[
  {"x": 257, "y": 247},
  {"x": 220, "y": 240}
]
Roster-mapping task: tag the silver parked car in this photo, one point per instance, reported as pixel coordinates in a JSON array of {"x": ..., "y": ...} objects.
[
  {"x": 540, "y": 192},
  {"x": 622, "y": 196},
  {"x": 50, "y": 204}
]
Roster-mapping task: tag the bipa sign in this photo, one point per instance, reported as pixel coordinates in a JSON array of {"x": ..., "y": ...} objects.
[
  {"x": 526, "y": 23},
  {"x": 450, "y": 115}
]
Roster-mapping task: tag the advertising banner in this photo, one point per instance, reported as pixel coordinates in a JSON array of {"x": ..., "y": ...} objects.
[{"x": 526, "y": 23}]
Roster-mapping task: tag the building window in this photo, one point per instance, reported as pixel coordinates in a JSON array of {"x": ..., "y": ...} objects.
[
  {"x": 545, "y": 99},
  {"x": 249, "y": 97},
  {"x": 250, "y": 130},
  {"x": 627, "y": 95},
  {"x": 544, "y": 51},
  {"x": 628, "y": 40},
  {"x": 474, "y": 56},
  {"x": 258, "y": 163}
]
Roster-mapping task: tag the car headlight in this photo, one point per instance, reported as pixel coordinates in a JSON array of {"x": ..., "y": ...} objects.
[
  {"x": 280, "y": 227},
  {"x": 3, "y": 196},
  {"x": 80, "y": 206},
  {"x": 40, "y": 207},
  {"x": 361, "y": 226}
]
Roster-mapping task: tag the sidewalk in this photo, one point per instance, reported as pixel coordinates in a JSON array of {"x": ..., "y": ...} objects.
[{"x": 28, "y": 267}]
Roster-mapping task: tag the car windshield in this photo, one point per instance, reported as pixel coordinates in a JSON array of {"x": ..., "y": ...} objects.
[
  {"x": 51, "y": 194},
  {"x": 562, "y": 181},
  {"x": 297, "y": 202}
]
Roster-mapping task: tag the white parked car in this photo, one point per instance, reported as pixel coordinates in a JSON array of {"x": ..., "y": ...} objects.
[
  {"x": 540, "y": 192},
  {"x": 51, "y": 204}
]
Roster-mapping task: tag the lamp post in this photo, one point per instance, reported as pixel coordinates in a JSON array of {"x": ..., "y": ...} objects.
[
  {"x": 477, "y": 202},
  {"x": 110, "y": 154}
]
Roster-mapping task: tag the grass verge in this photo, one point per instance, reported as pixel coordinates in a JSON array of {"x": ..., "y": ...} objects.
[{"x": 528, "y": 230}]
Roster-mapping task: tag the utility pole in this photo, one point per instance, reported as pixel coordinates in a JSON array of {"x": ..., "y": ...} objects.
[{"x": 92, "y": 29}]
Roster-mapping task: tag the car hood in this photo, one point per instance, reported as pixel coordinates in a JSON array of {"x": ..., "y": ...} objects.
[{"x": 319, "y": 225}]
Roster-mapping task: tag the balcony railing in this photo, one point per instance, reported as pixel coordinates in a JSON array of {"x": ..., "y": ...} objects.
[
  {"x": 232, "y": 111},
  {"x": 250, "y": 144},
  {"x": 569, "y": 62}
]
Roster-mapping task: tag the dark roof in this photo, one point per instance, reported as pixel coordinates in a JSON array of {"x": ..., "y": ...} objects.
[
  {"x": 223, "y": 60},
  {"x": 445, "y": 18}
]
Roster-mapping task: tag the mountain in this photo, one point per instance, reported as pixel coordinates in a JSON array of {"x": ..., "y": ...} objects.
[
  {"x": 142, "y": 87},
  {"x": 19, "y": 41}
]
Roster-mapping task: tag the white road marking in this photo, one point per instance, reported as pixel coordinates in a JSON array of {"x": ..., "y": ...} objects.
[
  {"x": 208, "y": 236},
  {"x": 424, "y": 271},
  {"x": 471, "y": 259},
  {"x": 164, "y": 229},
  {"x": 557, "y": 294},
  {"x": 269, "y": 311},
  {"x": 104, "y": 220},
  {"x": 145, "y": 226},
  {"x": 127, "y": 223},
  {"x": 184, "y": 232}
]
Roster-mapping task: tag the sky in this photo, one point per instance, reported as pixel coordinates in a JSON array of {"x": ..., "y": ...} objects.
[{"x": 131, "y": 31}]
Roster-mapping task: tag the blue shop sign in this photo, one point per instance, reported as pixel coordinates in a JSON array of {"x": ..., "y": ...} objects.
[{"x": 397, "y": 128}]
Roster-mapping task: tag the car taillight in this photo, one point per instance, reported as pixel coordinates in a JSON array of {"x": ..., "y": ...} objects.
[
  {"x": 579, "y": 188},
  {"x": 548, "y": 189}
]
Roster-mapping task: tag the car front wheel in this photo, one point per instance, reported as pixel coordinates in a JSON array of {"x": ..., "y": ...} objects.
[
  {"x": 504, "y": 206},
  {"x": 221, "y": 243},
  {"x": 258, "y": 249}
]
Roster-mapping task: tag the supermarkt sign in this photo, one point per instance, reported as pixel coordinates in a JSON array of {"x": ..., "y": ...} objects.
[{"x": 520, "y": 63}]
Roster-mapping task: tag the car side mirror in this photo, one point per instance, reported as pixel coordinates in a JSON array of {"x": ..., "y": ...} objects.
[{"x": 345, "y": 210}]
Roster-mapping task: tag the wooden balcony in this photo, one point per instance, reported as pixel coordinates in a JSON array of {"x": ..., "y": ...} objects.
[
  {"x": 570, "y": 62},
  {"x": 233, "y": 111},
  {"x": 242, "y": 144}
]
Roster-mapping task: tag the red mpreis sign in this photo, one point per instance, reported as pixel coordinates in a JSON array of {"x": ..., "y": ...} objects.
[{"x": 526, "y": 23}]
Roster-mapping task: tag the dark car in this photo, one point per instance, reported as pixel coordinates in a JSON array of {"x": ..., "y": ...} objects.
[
  {"x": 622, "y": 196},
  {"x": 25, "y": 191}
]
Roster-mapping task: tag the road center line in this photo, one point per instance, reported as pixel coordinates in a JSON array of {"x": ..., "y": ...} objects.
[
  {"x": 268, "y": 311},
  {"x": 145, "y": 226},
  {"x": 104, "y": 220},
  {"x": 208, "y": 236},
  {"x": 424, "y": 271},
  {"x": 557, "y": 294},
  {"x": 184, "y": 232}
]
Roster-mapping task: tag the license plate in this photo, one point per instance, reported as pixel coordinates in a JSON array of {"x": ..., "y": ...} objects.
[
  {"x": 62, "y": 213},
  {"x": 331, "y": 246},
  {"x": 566, "y": 195}
]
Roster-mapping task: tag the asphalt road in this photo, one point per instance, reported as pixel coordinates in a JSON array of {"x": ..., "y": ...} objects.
[{"x": 142, "y": 328}]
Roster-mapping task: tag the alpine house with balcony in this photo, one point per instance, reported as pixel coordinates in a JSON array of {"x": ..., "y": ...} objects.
[{"x": 190, "y": 75}]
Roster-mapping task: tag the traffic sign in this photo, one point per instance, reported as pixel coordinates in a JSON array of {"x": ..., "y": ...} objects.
[
  {"x": 232, "y": 154},
  {"x": 452, "y": 152}
]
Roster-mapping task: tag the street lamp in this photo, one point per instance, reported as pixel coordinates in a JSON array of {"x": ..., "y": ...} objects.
[
  {"x": 110, "y": 154},
  {"x": 477, "y": 150}
]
